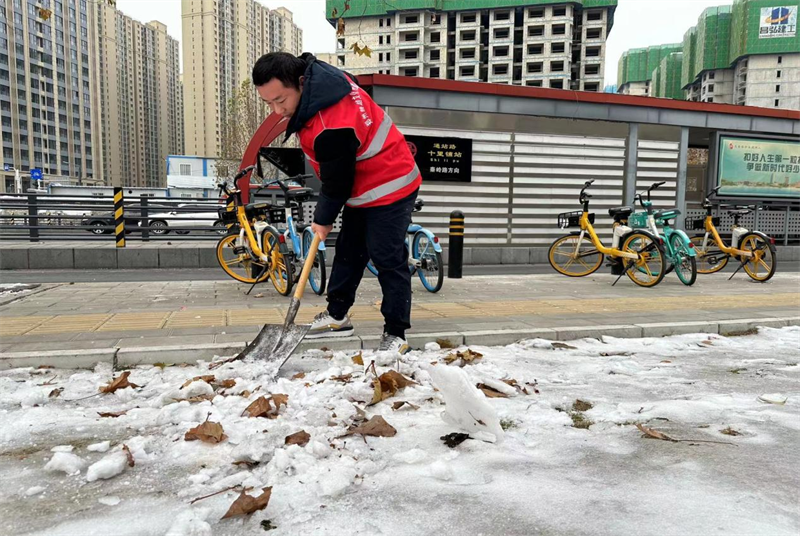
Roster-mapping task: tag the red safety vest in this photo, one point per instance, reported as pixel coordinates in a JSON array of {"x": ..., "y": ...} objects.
[{"x": 385, "y": 169}]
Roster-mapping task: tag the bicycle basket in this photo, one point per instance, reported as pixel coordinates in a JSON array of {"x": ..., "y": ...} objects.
[
  {"x": 572, "y": 219},
  {"x": 638, "y": 220},
  {"x": 276, "y": 215},
  {"x": 226, "y": 216}
]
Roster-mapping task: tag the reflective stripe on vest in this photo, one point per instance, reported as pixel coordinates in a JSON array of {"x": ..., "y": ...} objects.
[
  {"x": 379, "y": 139},
  {"x": 384, "y": 189}
]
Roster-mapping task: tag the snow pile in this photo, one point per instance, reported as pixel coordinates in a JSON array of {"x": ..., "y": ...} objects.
[
  {"x": 496, "y": 445},
  {"x": 465, "y": 406},
  {"x": 66, "y": 463},
  {"x": 110, "y": 466}
]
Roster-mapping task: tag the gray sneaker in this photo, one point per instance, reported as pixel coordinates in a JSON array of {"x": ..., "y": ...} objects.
[
  {"x": 392, "y": 344},
  {"x": 324, "y": 325}
]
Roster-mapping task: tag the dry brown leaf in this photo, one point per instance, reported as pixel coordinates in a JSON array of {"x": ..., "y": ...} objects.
[
  {"x": 226, "y": 384},
  {"x": 299, "y": 376},
  {"x": 730, "y": 431},
  {"x": 208, "y": 432},
  {"x": 666, "y": 361},
  {"x": 245, "y": 394},
  {"x": 129, "y": 455},
  {"x": 259, "y": 295},
  {"x": 298, "y": 438},
  {"x": 513, "y": 383},
  {"x": 244, "y": 505},
  {"x": 707, "y": 342},
  {"x": 401, "y": 403},
  {"x": 654, "y": 434},
  {"x": 198, "y": 398},
  {"x": 340, "y": 27},
  {"x": 344, "y": 378},
  {"x": 55, "y": 393},
  {"x": 467, "y": 357},
  {"x": 491, "y": 392},
  {"x": 112, "y": 414},
  {"x": 387, "y": 385},
  {"x": 209, "y": 378},
  {"x": 334, "y": 13},
  {"x": 358, "y": 359},
  {"x": 376, "y": 427},
  {"x": 249, "y": 465},
  {"x": 266, "y": 407},
  {"x": 120, "y": 382},
  {"x": 562, "y": 346}
]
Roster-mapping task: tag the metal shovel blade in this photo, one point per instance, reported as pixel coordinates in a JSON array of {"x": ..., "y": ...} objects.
[{"x": 275, "y": 343}]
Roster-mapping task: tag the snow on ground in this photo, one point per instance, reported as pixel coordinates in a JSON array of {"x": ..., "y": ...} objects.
[
  {"x": 566, "y": 460},
  {"x": 7, "y": 289}
]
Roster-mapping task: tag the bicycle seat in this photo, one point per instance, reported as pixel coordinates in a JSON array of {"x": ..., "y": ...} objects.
[
  {"x": 300, "y": 192},
  {"x": 740, "y": 211},
  {"x": 620, "y": 213},
  {"x": 257, "y": 206}
]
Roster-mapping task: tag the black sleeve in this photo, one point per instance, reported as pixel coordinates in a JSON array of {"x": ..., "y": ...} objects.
[{"x": 335, "y": 150}]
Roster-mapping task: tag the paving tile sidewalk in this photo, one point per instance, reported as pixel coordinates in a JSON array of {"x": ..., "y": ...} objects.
[{"x": 217, "y": 314}]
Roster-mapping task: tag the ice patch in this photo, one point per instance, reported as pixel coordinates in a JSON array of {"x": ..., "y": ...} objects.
[{"x": 110, "y": 500}]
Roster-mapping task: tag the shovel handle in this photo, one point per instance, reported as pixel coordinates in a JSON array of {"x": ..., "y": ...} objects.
[{"x": 310, "y": 256}]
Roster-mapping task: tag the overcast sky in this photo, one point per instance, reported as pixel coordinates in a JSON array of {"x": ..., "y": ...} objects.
[{"x": 638, "y": 23}]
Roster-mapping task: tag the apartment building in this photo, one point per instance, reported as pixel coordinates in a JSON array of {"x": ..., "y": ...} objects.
[
  {"x": 541, "y": 44},
  {"x": 747, "y": 53},
  {"x": 222, "y": 39},
  {"x": 48, "y": 108},
  {"x": 139, "y": 93}
]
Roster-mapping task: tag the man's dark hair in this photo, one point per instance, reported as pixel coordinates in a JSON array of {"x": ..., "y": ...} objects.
[{"x": 281, "y": 65}]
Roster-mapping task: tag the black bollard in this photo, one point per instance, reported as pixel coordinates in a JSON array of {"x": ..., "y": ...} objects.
[{"x": 455, "y": 266}]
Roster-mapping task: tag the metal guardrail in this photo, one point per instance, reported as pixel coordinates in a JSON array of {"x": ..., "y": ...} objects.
[{"x": 37, "y": 216}]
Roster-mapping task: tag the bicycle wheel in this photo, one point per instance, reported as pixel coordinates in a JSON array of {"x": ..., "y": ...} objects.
[
  {"x": 710, "y": 259},
  {"x": 564, "y": 260},
  {"x": 761, "y": 267},
  {"x": 649, "y": 269},
  {"x": 317, "y": 277},
  {"x": 685, "y": 265},
  {"x": 239, "y": 266},
  {"x": 280, "y": 271},
  {"x": 431, "y": 269}
]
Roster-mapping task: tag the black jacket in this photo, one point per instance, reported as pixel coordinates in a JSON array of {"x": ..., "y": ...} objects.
[{"x": 335, "y": 149}]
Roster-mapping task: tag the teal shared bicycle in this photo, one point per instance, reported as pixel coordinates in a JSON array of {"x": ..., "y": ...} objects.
[{"x": 678, "y": 248}]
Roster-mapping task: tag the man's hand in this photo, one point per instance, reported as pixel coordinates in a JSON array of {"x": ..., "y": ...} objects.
[{"x": 322, "y": 230}]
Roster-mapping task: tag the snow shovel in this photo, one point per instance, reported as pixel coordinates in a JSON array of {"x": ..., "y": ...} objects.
[{"x": 275, "y": 343}]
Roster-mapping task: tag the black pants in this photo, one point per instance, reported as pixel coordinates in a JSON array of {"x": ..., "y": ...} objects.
[{"x": 376, "y": 233}]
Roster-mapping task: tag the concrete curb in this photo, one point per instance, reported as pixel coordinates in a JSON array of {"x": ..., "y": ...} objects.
[
  {"x": 203, "y": 256},
  {"x": 130, "y": 357}
]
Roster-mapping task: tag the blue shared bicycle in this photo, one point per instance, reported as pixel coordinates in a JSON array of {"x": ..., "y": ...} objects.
[
  {"x": 424, "y": 255},
  {"x": 298, "y": 236}
]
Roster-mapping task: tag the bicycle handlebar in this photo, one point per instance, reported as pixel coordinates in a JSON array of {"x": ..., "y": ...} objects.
[{"x": 584, "y": 196}]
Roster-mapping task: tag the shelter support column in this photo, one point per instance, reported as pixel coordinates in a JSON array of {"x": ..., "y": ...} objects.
[
  {"x": 631, "y": 164},
  {"x": 680, "y": 186}
]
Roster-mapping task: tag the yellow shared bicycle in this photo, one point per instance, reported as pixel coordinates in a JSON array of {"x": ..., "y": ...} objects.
[
  {"x": 253, "y": 250},
  {"x": 754, "y": 250},
  {"x": 634, "y": 252}
]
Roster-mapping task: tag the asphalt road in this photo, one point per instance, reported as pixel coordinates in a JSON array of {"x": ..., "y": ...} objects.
[{"x": 216, "y": 274}]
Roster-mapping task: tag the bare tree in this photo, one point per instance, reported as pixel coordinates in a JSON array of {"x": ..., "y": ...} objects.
[{"x": 244, "y": 113}]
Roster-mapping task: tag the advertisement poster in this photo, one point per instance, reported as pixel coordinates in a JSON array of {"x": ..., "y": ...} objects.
[
  {"x": 778, "y": 22},
  {"x": 759, "y": 168},
  {"x": 442, "y": 159}
]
